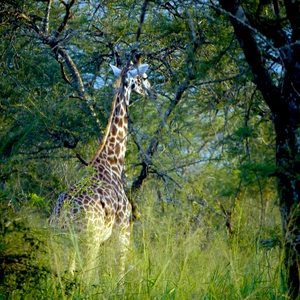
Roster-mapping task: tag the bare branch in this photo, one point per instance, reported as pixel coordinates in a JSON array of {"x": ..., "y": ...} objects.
[
  {"x": 164, "y": 176},
  {"x": 227, "y": 215},
  {"x": 191, "y": 24},
  {"x": 47, "y": 18},
  {"x": 82, "y": 160},
  {"x": 63, "y": 71},
  {"x": 152, "y": 147},
  {"x": 67, "y": 17},
  {"x": 144, "y": 8},
  {"x": 76, "y": 81}
]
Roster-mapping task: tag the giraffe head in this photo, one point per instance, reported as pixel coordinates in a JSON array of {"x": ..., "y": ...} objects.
[{"x": 135, "y": 79}]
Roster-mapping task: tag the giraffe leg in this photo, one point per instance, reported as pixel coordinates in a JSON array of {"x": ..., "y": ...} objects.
[
  {"x": 92, "y": 251},
  {"x": 75, "y": 259},
  {"x": 124, "y": 242},
  {"x": 91, "y": 263},
  {"x": 72, "y": 263},
  {"x": 82, "y": 254}
]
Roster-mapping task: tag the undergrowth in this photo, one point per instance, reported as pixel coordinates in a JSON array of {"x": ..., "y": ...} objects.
[{"x": 171, "y": 257}]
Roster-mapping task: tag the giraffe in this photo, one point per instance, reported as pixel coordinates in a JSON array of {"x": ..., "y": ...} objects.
[{"x": 97, "y": 206}]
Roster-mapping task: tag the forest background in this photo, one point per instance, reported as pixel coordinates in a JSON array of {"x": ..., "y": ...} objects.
[{"x": 211, "y": 165}]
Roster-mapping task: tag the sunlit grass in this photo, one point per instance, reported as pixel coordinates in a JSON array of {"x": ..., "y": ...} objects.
[{"x": 170, "y": 257}]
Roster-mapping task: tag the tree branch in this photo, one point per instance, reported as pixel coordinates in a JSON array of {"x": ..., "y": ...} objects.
[
  {"x": 228, "y": 216},
  {"x": 293, "y": 14},
  {"x": 47, "y": 18},
  {"x": 76, "y": 81},
  {"x": 252, "y": 51},
  {"x": 82, "y": 160},
  {"x": 67, "y": 17},
  {"x": 152, "y": 147},
  {"x": 143, "y": 13}
]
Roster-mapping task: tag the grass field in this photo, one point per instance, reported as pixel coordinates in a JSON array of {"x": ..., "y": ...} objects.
[{"x": 171, "y": 257}]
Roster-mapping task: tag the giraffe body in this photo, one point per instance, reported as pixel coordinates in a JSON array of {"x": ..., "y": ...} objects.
[{"x": 97, "y": 205}]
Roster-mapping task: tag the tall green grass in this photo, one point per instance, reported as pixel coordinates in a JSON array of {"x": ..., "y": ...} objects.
[{"x": 171, "y": 257}]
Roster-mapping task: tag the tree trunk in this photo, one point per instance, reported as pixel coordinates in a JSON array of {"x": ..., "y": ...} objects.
[
  {"x": 288, "y": 167},
  {"x": 283, "y": 100}
]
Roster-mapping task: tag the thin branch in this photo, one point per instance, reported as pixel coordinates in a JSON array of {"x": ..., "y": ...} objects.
[
  {"x": 137, "y": 142},
  {"x": 191, "y": 24},
  {"x": 47, "y": 18},
  {"x": 152, "y": 147},
  {"x": 144, "y": 8},
  {"x": 215, "y": 80},
  {"x": 82, "y": 160},
  {"x": 247, "y": 37},
  {"x": 66, "y": 58},
  {"x": 204, "y": 204},
  {"x": 162, "y": 175},
  {"x": 228, "y": 216},
  {"x": 63, "y": 71},
  {"x": 67, "y": 17}
]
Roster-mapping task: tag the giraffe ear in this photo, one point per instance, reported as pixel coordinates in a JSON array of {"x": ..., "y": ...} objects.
[
  {"x": 116, "y": 71},
  {"x": 139, "y": 71}
]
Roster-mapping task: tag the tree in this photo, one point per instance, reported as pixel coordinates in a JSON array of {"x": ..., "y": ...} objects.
[
  {"x": 269, "y": 35},
  {"x": 207, "y": 139}
]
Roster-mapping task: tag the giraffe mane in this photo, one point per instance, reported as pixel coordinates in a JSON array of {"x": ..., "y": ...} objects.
[{"x": 107, "y": 131}]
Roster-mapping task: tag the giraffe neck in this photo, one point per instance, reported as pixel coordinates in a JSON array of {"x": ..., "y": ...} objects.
[{"x": 113, "y": 146}]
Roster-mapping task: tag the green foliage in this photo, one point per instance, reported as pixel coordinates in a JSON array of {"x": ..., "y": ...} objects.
[
  {"x": 44, "y": 124},
  {"x": 215, "y": 145},
  {"x": 21, "y": 267}
]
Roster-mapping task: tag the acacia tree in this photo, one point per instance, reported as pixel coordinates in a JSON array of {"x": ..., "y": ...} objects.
[
  {"x": 36, "y": 24},
  {"x": 269, "y": 34},
  {"x": 201, "y": 81},
  {"x": 75, "y": 41}
]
